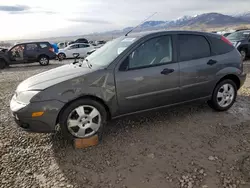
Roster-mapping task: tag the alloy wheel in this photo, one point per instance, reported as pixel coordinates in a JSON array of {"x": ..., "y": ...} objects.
[
  {"x": 44, "y": 61},
  {"x": 84, "y": 121},
  {"x": 225, "y": 95}
]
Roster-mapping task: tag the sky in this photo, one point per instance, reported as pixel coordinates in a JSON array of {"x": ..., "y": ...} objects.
[{"x": 25, "y": 19}]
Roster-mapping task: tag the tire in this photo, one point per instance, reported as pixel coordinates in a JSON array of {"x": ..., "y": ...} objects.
[
  {"x": 220, "y": 94},
  {"x": 2, "y": 64},
  {"x": 73, "y": 113},
  {"x": 243, "y": 53},
  {"x": 43, "y": 60},
  {"x": 61, "y": 56}
]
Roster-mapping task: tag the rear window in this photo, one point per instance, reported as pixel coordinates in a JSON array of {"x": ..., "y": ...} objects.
[
  {"x": 219, "y": 47},
  {"x": 44, "y": 45},
  {"x": 193, "y": 47}
]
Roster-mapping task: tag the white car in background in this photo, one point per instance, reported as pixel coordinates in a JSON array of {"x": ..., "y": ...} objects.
[{"x": 81, "y": 48}]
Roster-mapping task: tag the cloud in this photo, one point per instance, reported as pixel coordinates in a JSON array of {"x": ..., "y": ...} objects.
[
  {"x": 91, "y": 21},
  {"x": 15, "y": 8},
  {"x": 33, "y": 12},
  {"x": 23, "y": 9}
]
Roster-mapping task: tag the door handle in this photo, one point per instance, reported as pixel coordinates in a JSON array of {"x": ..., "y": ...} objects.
[
  {"x": 211, "y": 62},
  {"x": 167, "y": 71}
]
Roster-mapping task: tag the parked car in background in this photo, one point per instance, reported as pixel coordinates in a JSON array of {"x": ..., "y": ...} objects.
[
  {"x": 55, "y": 47},
  {"x": 81, "y": 48},
  {"x": 128, "y": 75},
  {"x": 30, "y": 52},
  {"x": 241, "y": 40},
  {"x": 62, "y": 45},
  {"x": 80, "y": 40},
  {"x": 226, "y": 34}
]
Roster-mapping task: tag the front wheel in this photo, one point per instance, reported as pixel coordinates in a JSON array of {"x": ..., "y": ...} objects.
[
  {"x": 2, "y": 64},
  {"x": 224, "y": 95},
  {"x": 243, "y": 54},
  {"x": 44, "y": 60},
  {"x": 82, "y": 119},
  {"x": 61, "y": 56}
]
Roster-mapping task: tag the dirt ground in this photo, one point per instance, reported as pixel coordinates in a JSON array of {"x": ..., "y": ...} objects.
[{"x": 186, "y": 146}]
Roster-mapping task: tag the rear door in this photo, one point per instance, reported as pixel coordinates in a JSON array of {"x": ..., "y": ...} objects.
[
  {"x": 149, "y": 76},
  {"x": 198, "y": 67},
  {"x": 31, "y": 52}
]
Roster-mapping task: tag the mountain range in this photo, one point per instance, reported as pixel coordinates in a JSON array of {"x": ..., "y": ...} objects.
[
  {"x": 207, "y": 20},
  {"x": 197, "y": 22}
]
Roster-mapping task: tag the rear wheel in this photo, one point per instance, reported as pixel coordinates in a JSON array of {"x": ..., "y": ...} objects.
[
  {"x": 83, "y": 118},
  {"x": 2, "y": 64},
  {"x": 44, "y": 60},
  {"x": 224, "y": 95},
  {"x": 61, "y": 56}
]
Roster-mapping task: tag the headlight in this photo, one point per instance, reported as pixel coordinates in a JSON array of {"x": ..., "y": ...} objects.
[{"x": 25, "y": 96}]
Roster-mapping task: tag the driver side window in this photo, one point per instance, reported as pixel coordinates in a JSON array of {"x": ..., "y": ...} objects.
[{"x": 153, "y": 52}]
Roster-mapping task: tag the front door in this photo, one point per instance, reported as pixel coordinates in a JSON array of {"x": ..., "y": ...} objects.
[
  {"x": 197, "y": 67},
  {"x": 17, "y": 55},
  {"x": 149, "y": 77}
]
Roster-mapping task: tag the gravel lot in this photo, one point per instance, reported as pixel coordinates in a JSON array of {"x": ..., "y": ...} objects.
[{"x": 187, "y": 146}]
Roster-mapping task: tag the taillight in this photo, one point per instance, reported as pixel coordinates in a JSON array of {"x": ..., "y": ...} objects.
[
  {"x": 226, "y": 40},
  {"x": 51, "y": 49}
]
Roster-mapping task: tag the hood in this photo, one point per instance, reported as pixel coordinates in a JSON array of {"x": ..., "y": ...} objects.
[{"x": 49, "y": 78}]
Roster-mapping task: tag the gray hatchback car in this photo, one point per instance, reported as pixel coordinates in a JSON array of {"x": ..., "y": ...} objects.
[{"x": 128, "y": 75}]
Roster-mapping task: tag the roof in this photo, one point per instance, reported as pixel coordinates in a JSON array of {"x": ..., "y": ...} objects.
[
  {"x": 244, "y": 30},
  {"x": 142, "y": 34},
  {"x": 79, "y": 43},
  {"x": 31, "y": 42}
]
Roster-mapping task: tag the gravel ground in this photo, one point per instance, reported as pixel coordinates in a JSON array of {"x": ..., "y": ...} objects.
[{"x": 187, "y": 146}]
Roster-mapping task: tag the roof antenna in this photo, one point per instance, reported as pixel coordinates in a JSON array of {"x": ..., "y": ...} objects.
[{"x": 140, "y": 23}]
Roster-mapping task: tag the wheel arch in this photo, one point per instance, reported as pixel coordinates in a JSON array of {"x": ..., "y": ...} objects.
[
  {"x": 244, "y": 47},
  {"x": 232, "y": 77},
  {"x": 92, "y": 97},
  {"x": 42, "y": 55}
]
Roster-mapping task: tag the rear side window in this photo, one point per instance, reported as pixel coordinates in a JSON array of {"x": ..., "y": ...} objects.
[
  {"x": 83, "y": 45},
  {"x": 31, "y": 47},
  {"x": 218, "y": 46},
  {"x": 74, "y": 46},
  {"x": 44, "y": 45},
  {"x": 193, "y": 47}
]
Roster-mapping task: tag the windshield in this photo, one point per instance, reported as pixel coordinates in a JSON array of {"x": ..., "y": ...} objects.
[
  {"x": 240, "y": 35},
  {"x": 107, "y": 53}
]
